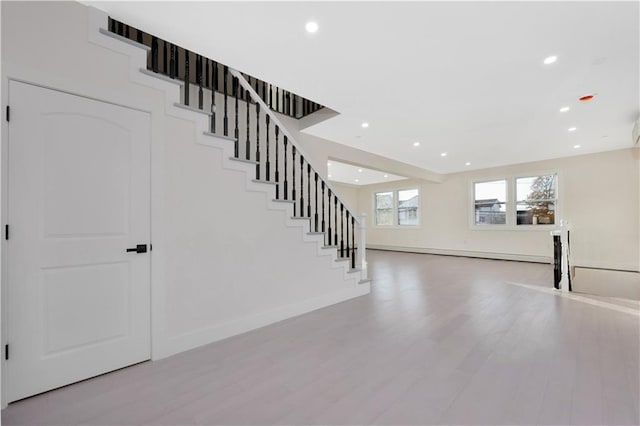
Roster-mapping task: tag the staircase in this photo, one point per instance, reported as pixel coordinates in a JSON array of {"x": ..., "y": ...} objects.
[{"x": 245, "y": 112}]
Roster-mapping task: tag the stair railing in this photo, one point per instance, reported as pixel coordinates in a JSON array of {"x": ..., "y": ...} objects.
[{"x": 313, "y": 207}]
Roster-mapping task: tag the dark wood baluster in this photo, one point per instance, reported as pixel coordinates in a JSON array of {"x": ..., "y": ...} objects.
[
  {"x": 264, "y": 91},
  {"x": 335, "y": 219},
  {"x": 286, "y": 182},
  {"x": 258, "y": 140},
  {"x": 267, "y": 170},
  {"x": 112, "y": 25},
  {"x": 301, "y": 186},
  {"x": 154, "y": 54},
  {"x": 293, "y": 172},
  {"x": 120, "y": 28},
  {"x": 199, "y": 80},
  {"x": 165, "y": 52},
  {"x": 186, "y": 77},
  {"x": 347, "y": 232},
  {"x": 206, "y": 74},
  {"x": 287, "y": 100},
  {"x": 225, "y": 121},
  {"x": 295, "y": 106},
  {"x": 329, "y": 215},
  {"x": 177, "y": 63},
  {"x": 309, "y": 192},
  {"x": 247, "y": 149},
  {"x": 271, "y": 96},
  {"x": 214, "y": 89},
  {"x": 236, "y": 146},
  {"x": 323, "y": 227},
  {"x": 304, "y": 107},
  {"x": 172, "y": 62},
  {"x": 317, "y": 223},
  {"x": 341, "y": 230},
  {"x": 278, "y": 99},
  {"x": 126, "y": 31},
  {"x": 139, "y": 37},
  {"x": 353, "y": 243}
]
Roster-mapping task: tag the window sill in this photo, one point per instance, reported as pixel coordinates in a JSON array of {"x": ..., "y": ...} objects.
[{"x": 526, "y": 228}]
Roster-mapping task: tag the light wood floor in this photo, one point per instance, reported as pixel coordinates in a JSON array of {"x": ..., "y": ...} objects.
[{"x": 441, "y": 340}]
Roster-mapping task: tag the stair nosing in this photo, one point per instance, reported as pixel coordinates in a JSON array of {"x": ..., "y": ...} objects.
[
  {"x": 162, "y": 77},
  {"x": 190, "y": 108},
  {"x": 315, "y": 233},
  {"x": 229, "y": 138},
  {"x": 300, "y": 218},
  {"x": 118, "y": 37},
  {"x": 275, "y": 200},
  {"x": 329, "y": 247},
  {"x": 263, "y": 181},
  {"x": 242, "y": 160}
]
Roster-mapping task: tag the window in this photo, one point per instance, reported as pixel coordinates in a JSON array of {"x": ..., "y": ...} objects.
[
  {"x": 516, "y": 201},
  {"x": 397, "y": 208},
  {"x": 408, "y": 207},
  {"x": 384, "y": 208},
  {"x": 536, "y": 200},
  {"x": 490, "y": 199}
]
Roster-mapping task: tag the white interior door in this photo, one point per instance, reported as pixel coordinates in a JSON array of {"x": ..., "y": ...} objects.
[{"x": 79, "y": 195}]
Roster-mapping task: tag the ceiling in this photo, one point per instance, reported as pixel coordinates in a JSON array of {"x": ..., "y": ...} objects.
[
  {"x": 465, "y": 78},
  {"x": 354, "y": 175}
]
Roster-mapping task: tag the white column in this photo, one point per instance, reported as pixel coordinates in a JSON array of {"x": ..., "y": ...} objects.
[{"x": 362, "y": 244}]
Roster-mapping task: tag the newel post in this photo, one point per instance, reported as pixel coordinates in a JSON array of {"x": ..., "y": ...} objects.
[{"x": 362, "y": 244}]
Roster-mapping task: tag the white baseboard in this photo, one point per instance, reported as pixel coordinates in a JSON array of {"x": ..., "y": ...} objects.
[
  {"x": 194, "y": 339},
  {"x": 464, "y": 253}
]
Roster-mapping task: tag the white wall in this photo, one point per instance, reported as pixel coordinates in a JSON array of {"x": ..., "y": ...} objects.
[
  {"x": 222, "y": 261},
  {"x": 598, "y": 195}
]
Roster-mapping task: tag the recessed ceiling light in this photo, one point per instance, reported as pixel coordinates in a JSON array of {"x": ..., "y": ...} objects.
[
  {"x": 386, "y": 176},
  {"x": 416, "y": 144},
  {"x": 564, "y": 109},
  {"x": 572, "y": 129},
  {"x": 359, "y": 170},
  {"x": 576, "y": 146},
  {"x": 311, "y": 27},
  {"x": 329, "y": 176},
  {"x": 365, "y": 125},
  {"x": 467, "y": 163},
  {"x": 443, "y": 154},
  {"x": 357, "y": 180},
  {"x": 328, "y": 163},
  {"x": 550, "y": 59}
]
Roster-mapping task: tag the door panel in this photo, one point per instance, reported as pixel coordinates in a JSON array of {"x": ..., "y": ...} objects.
[{"x": 79, "y": 196}]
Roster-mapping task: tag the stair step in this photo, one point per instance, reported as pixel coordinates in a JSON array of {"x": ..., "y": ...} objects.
[
  {"x": 275, "y": 200},
  {"x": 190, "y": 108},
  {"x": 229, "y": 138},
  {"x": 300, "y": 218},
  {"x": 342, "y": 259},
  {"x": 353, "y": 270},
  {"x": 161, "y": 76},
  {"x": 123, "y": 39},
  {"x": 366, "y": 280},
  {"x": 263, "y": 181},
  {"x": 315, "y": 233},
  {"x": 329, "y": 247},
  {"x": 242, "y": 160}
]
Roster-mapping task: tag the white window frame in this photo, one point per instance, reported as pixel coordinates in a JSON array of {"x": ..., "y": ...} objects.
[
  {"x": 512, "y": 203},
  {"x": 395, "y": 224}
]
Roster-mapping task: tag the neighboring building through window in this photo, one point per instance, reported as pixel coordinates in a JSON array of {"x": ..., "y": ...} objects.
[
  {"x": 397, "y": 207},
  {"x": 490, "y": 202}
]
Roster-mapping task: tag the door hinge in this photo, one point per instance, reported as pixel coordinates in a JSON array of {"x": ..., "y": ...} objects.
[
  {"x": 8, "y": 112},
  {"x": 6, "y": 232},
  {"x": 6, "y": 352}
]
